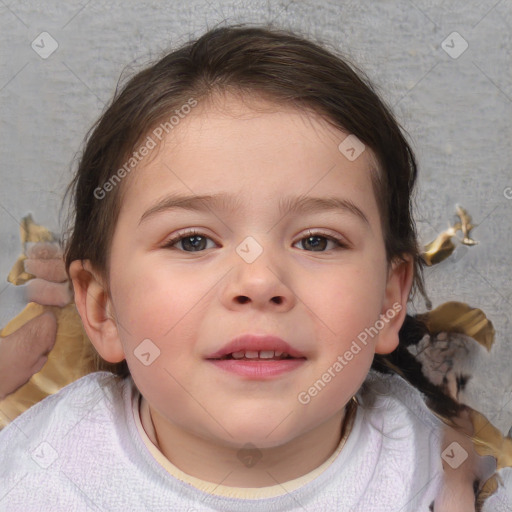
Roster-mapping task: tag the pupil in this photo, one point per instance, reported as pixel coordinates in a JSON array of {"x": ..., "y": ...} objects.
[
  {"x": 316, "y": 245},
  {"x": 196, "y": 245}
]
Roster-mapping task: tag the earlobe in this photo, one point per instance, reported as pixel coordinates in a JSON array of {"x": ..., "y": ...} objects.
[
  {"x": 94, "y": 307},
  {"x": 394, "y": 308}
]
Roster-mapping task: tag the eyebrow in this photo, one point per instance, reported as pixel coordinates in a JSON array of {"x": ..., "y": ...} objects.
[{"x": 228, "y": 203}]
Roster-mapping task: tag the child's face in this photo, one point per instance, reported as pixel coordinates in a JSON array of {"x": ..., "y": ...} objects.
[{"x": 192, "y": 303}]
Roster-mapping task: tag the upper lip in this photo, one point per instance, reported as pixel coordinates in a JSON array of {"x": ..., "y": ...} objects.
[{"x": 254, "y": 342}]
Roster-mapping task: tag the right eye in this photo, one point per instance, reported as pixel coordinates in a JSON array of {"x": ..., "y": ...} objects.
[{"x": 191, "y": 241}]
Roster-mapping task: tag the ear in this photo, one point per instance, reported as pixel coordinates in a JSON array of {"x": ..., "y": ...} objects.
[
  {"x": 94, "y": 306},
  {"x": 394, "y": 308}
]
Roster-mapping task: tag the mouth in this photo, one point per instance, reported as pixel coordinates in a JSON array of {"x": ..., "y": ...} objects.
[
  {"x": 256, "y": 348},
  {"x": 257, "y": 358},
  {"x": 253, "y": 355}
]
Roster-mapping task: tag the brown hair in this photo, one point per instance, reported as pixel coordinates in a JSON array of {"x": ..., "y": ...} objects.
[{"x": 270, "y": 62}]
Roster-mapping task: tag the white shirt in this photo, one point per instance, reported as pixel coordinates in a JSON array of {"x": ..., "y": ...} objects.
[{"x": 84, "y": 448}]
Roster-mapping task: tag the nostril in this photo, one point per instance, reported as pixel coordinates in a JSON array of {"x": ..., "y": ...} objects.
[{"x": 242, "y": 299}]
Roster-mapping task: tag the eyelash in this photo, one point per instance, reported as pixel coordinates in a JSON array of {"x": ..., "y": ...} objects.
[{"x": 191, "y": 233}]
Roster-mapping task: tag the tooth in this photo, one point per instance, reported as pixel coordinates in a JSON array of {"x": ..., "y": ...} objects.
[
  {"x": 251, "y": 354},
  {"x": 266, "y": 354},
  {"x": 278, "y": 353},
  {"x": 285, "y": 354},
  {"x": 238, "y": 355}
]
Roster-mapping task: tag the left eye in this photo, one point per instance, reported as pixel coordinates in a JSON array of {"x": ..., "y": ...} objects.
[{"x": 318, "y": 241}]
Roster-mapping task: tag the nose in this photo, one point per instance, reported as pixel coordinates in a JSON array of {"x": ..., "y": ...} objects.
[{"x": 261, "y": 284}]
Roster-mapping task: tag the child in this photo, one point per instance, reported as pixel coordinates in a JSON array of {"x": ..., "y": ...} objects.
[{"x": 242, "y": 255}]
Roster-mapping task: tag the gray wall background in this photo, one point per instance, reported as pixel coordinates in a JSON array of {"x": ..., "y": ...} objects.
[{"x": 457, "y": 109}]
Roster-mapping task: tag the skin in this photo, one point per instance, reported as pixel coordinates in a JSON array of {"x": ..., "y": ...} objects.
[
  {"x": 190, "y": 304},
  {"x": 25, "y": 352},
  {"x": 55, "y": 294}
]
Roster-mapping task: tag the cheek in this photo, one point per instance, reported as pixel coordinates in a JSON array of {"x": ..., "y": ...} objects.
[
  {"x": 346, "y": 300},
  {"x": 157, "y": 324},
  {"x": 157, "y": 302},
  {"x": 149, "y": 298}
]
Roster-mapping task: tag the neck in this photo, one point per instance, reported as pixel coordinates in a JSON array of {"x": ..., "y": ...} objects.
[{"x": 249, "y": 467}]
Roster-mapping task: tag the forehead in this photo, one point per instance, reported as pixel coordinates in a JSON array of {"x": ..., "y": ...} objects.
[
  {"x": 251, "y": 148},
  {"x": 253, "y": 122}
]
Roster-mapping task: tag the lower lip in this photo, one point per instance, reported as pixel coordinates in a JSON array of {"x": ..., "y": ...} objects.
[{"x": 257, "y": 369}]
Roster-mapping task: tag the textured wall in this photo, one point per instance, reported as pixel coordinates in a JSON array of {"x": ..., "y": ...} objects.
[{"x": 455, "y": 104}]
